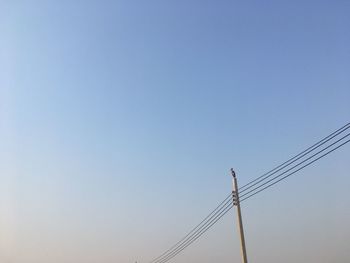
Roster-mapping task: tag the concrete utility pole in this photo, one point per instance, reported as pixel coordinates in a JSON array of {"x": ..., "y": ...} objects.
[{"x": 235, "y": 197}]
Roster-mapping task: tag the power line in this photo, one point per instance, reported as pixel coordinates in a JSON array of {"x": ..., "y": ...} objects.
[
  {"x": 194, "y": 230},
  {"x": 294, "y": 158},
  {"x": 305, "y": 160},
  {"x": 189, "y": 238},
  {"x": 199, "y": 234},
  {"x": 284, "y": 177}
]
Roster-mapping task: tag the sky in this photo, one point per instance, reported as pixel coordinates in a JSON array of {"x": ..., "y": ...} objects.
[{"x": 120, "y": 120}]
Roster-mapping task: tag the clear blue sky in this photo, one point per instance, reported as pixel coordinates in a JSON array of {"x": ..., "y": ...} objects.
[{"x": 120, "y": 120}]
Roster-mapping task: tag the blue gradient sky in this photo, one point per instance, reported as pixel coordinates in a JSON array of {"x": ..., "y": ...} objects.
[{"x": 120, "y": 121}]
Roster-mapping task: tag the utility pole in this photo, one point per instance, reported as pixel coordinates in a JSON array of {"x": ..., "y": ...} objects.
[{"x": 235, "y": 197}]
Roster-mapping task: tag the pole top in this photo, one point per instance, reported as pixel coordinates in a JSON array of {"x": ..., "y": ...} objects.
[{"x": 233, "y": 173}]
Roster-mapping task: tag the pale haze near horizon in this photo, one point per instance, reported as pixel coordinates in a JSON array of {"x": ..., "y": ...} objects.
[{"x": 120, "y": 121}]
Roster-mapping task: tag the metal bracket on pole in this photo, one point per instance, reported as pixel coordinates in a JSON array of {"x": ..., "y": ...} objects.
[{"x": 235, "y": 198}]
